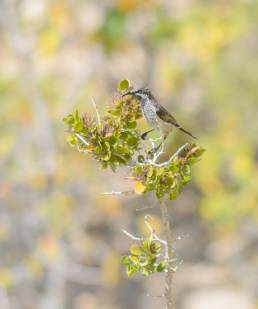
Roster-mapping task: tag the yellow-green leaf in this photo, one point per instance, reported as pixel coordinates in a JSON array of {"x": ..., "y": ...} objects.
[
  {"x": 135, "y": 249},
  {"x": 123, "y": 85}
]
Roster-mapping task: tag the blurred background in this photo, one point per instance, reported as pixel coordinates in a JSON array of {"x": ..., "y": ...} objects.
[{"x": 60, "y": 237}]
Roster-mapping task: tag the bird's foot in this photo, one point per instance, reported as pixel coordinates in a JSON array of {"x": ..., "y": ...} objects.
[
  {"x": 153, "y": 151},
  {"x": 145, "y": 135}
]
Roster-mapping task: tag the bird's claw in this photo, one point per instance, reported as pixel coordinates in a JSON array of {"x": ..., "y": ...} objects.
[
  {"x": 151, "y": 153},
  {"x": 144, "y": 136}
]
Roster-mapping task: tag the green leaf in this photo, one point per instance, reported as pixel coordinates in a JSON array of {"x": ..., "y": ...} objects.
[
  {"x": 146, "y": 244},
  {"x": 159, "y": 193},
  {"x": 119, "y": 149},
  {"x": 162, "y": 266},
  {"x": 160, "y": 171},
  {"x": 135, "y": 250},
  {"x": 186, "y": 170},
  {"x": 185, "y": 179},
  {"x": 69, "y": 120},
  {"x": 199, "y": 152},
  {"x": 134, "y": 259},
  {"x": 123, "y": 85},
  {"x": 78, "y": 127},
  {"x": 155, "y": 247},
  {"x": 113, "y": 167},
  {"x": 150, "y": 171},
  {"x": 114, "y": 112},
  {"x": 173, "y": 195},
  {"x": 131, "y": 124},
  {"x": 123, "y": 135},
  {"x": 72, "y": 140},
  {"x": 112, "y": 140},
  {"x": 193, "y": 160},
  {"x": 104, "y": 165},
  {"x": 132, "y": 141},
  {"x": 152, "y": 262},
  {"x": 131, "y": 271},
  {"x": 173, "y": 167},
  {"x": 118, "y": 158},
  {"x": 148, "y": 270},
  {"x": 169, "y": 181},
  {"x": 98, "y": 150},
  {"x": 124, "y": 260},
  {"x": 76, "y": 116}
]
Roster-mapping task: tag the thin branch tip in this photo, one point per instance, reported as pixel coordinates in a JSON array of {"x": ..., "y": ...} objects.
[{"x": 96, "y": 110}]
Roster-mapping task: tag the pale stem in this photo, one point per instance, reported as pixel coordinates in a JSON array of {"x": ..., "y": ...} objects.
[
  {"x": 168, "y": 254},
  {"x": 96, "y": 110},
  {"x": 132, "y": 236},
  {"x": 152, "y": 231},
  {"x": 126, "y": 193},
  {"x": 82, "y": 139},
  {"x": 153, "y": 162}
]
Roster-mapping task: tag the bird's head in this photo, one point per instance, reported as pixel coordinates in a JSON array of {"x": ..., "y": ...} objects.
[{"x": 141, "y": 93}]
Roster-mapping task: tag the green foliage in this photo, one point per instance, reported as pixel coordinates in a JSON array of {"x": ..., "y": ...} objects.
[
  {"x": 205, "y": 63},
  {"x": 123, "y": 85},
  {"x": 113, "y": 141},
  {"x": 144, "y": 258},
  {"x": 168, "y": 179},
  {"x": 112, "y": 33}
]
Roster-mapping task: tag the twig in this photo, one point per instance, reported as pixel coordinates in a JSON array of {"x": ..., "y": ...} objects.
[
  {"x": 129, "y": 192},
  {"x": 82, "y": 139},
  {"x": 155, "y": 296},
  {"x": 174, "y": 269},
  {"x": 153, "y": 162},
  {"x": 132, "y": 236},
  {"x": 152, "y": 231},
  {"x": 169, "y": 254},
  {"x": 96, "y": 110},
  {"x": 144, "y": 208}
]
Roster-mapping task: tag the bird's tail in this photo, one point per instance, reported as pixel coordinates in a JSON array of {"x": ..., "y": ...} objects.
[{"x": 186, "y": 132}]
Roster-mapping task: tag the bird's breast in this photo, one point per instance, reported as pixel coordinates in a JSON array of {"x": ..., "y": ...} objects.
[{"x": 149, "y": 112}]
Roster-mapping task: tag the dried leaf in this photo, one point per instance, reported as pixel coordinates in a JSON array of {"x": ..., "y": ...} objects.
[{"x": 139, "y": 188}]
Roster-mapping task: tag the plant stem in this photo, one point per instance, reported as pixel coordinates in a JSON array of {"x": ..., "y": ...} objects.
[{"x": 169, "y": 253}]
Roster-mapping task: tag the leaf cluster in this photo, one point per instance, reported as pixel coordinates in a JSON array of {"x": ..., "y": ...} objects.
[
  {"x": 144, "y": 258},
  {"x": 114, "y": 141},
  {"x": 168, "y": 179}
]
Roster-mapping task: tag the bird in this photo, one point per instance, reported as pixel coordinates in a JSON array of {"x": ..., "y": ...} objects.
[{"x": 156, "y": 115}]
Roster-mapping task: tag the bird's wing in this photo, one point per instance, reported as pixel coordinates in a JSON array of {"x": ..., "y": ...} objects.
[{"x": 166, "y": 116}]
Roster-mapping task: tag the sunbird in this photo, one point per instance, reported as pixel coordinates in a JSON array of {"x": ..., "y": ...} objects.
[{"x": 156, "y": 115}]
